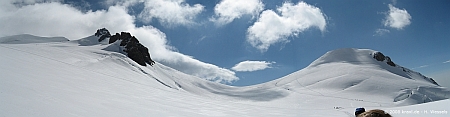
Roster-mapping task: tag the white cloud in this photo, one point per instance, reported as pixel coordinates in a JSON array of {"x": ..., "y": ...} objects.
[
  {"x": 381, "y": 32},
  {"x": 170, "y": 12},
  {"x": 57, "y": 19},
  {"x": 167, "y": 12},
  {"x": 252, "y": 65},
  {"x": 446, "y": 61},
  {"x": 272, "y": 28},
  {"x": 228, "y": 10},
  {"x": 397, "y": 18}
]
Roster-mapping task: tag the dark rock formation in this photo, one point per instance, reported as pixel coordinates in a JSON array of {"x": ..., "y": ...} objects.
[
  {"x": 389, "y": 61},
  {"x": 114, "y": 38},
  {"x": 379, "y": 56},
  {"x": 103, "y": 34},
  {"x": 434, "y": 82},
  {"x": 134, "y": 50}
]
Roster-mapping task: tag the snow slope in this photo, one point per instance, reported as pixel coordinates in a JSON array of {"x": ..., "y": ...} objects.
[
  {"x": 87, "y": 78},
  {"x": 27, "y": 38},
  {"x": 354, "y": 74}
]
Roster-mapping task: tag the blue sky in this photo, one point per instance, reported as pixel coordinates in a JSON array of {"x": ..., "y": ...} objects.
[{"x": 252, "y": 41}]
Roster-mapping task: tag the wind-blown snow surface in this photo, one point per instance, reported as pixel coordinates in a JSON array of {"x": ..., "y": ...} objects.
[{"x": 87, "y": 78}]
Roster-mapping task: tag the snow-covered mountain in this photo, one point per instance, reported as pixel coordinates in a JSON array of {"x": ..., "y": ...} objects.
[{"x": 47, "y": 76}]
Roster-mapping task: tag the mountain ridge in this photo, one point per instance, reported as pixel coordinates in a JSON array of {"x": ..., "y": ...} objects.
[{"x": 368, "y": 56}]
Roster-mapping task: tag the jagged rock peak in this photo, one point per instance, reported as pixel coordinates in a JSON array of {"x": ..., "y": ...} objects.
[
  {"x": 103, "y": 34},
  {"x": 380, "y": 57},
  {"x": 134, "y": 50}
]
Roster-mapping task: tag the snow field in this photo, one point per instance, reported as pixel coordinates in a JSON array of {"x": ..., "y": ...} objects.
[{"x": 53, "y": 78}]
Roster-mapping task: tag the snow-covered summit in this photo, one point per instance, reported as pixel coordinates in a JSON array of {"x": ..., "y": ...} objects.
[
  {"x": 356, "y": 73},
  {"x": 346, "y": 55},
  {"x": 368, "y": 57}
]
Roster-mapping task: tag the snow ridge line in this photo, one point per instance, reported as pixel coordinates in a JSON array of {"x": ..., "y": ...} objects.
[
  {"x": 79, "y": 67},
  {"x": 93, "y": 71},
  {"x": 82, "y": 68}
]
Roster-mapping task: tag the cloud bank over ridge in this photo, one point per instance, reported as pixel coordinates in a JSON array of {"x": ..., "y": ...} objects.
[{"x": 59, "y": 19}]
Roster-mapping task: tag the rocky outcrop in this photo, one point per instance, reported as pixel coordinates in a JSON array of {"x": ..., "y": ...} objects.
[
  {"x": 380, "y": 57},
  {"x": 389, "y": 61},
  {"x": 135, "y": 50},
  {"x": 434, "y": 82},
  {"x": 131, "y": 46},
  {"x": 103, "y": 34},
  {"x": 114, "y": 38}
]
